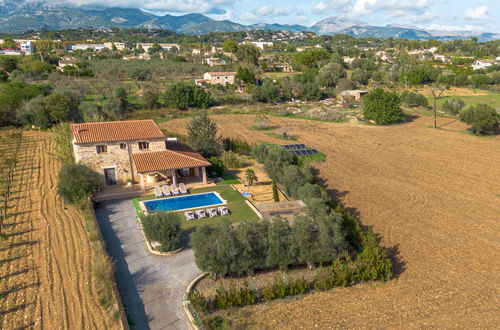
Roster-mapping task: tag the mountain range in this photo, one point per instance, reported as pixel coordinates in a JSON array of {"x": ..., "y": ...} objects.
[{"x": 22, "y": 15}]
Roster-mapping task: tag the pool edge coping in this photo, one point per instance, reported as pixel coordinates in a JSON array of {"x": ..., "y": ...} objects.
[{"x": 224, "y": 202}]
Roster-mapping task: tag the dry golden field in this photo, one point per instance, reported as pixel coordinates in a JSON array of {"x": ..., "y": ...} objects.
[
  {"x": 46, "y": 262},
  {"x": 433, "y": 196}
]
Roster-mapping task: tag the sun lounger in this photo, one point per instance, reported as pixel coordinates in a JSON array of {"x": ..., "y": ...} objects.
[
  {"x": 212, "y": 212},
  {"x": 158, "y": 192},
  {"x": 189, "y": 215},
  {"x": 182, "y": 188},
  {"x": 201, "y": 214},
  {"x": 223, "y": 210},
  {"x": 165, "y": 190},
  {"x": 174, "y": 190}
]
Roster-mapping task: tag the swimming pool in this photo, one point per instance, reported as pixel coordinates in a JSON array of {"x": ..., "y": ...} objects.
[{"x": 184, "y": 202}]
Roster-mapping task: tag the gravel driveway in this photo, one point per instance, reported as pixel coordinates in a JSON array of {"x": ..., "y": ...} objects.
[{"x": 151, "y": 287}]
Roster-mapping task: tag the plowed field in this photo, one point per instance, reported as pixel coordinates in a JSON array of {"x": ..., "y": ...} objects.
[
  {"x": 433, "y": 196},
  {"x": 46, "y": 262}
]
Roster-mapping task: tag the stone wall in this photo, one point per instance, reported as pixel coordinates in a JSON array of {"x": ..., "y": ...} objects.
[{"x": 114, "y": 157}]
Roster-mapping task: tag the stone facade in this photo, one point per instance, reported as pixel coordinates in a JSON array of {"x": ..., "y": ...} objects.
[{"x": 115, "y": 157}]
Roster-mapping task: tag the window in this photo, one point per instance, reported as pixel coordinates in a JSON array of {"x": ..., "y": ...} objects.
[
  {"x": 102, "y": 149},
  {"x": 123, "y": 146},
  {"x": 143, "y": 145}
]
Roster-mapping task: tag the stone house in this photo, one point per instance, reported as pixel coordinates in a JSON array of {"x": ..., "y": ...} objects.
[
  {"x": 217, "y": 78},
  {"x": 136, "y": 151}
]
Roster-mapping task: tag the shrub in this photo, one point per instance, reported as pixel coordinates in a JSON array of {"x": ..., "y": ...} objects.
[
  {"x": 326, "y": 114},
  {"x": 163, "y": 227},
  {"x": 383, "y": 107},
  {"x": 280, "y": 288},
  {"x": 234, "y": 297},
  {"x": 268, "y": 92},
  {"x": 216, "y": 168},
  {"x": 413, "y": 100},
  {"x": 453, "y": 105},
  {"x": 261, "y": 122},
  {"x": 373, "y": 263},
  {"x": 77, "y": 182},
  {"x": 217, "y": 322},
  {"x": 237, "y": 145},
  {"x": 198, "y": 301},
  {"x": 482, "y": 118},
  {"x": 230, "y": 160},
  {"x": 276, "y": 290}
]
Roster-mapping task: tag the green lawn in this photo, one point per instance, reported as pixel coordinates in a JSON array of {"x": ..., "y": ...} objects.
[
  {"x": 492, "y": 100},
  {"x": 239, "y": 210},
  {"x": 228, "y": 179},
  {"x": 319, "y": 157}
]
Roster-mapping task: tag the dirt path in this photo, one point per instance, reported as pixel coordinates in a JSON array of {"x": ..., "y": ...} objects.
[
  {"x": 434, "y": 198},
  {"x": 46, "y": 263}
]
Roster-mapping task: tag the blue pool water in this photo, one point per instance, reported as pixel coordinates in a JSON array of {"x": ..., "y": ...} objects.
[{"x": 183, "y": 202}]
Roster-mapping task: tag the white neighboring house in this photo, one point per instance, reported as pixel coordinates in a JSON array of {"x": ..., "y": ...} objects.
[
  {"x": 10, "y": 52},
  {"x": 26, "y": 46},
  {"x": 482, "y": 64},
  {"x": 94, "y": 47},
  {"x": 217, "y": 78},
  {"x": 262, "y": 44},
  {"x": 214, "y": 61},
  {"x": 442, "y": 58},
  {"x": 147, "y": 45}
]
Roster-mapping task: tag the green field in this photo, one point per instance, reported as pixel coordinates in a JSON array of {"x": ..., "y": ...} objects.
[
  {"x": 239, "y": 210},
  {"x": 492, "y": 100}
]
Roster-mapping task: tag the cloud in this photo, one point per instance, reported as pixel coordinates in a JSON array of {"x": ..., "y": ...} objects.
[
  {"x": 269, "y": 12},
  {"x": 477, "y": 14},
  {"x": 362, "y": 8},
  {"x": 227, "y": 15}
]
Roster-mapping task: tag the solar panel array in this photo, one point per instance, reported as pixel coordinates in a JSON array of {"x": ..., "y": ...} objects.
[{"x": 300, "y": 150}]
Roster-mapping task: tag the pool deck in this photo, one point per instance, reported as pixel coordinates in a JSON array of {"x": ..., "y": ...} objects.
[{"x": 224, "y": 202}]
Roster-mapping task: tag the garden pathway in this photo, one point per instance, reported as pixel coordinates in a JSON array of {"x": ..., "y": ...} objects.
[{"x": 151, "y": 286}]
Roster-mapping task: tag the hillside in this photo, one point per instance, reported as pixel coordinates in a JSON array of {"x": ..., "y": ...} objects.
[{"x": 23, "y": 15}]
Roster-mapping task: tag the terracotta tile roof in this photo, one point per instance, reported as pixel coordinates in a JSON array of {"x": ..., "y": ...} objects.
[
  {"x": 116, "y": 131},
  {"x": 222, "y": 73},
  {"x": 184, "y": 149},
  {"x": 152, "y": 161}
]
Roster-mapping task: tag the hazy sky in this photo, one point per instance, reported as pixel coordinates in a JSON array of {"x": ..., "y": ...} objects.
[{"x": 482, "y": 15}]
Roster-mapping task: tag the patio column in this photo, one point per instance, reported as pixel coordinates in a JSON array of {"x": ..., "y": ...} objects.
[
  {"x": 143, "y": 184},
  {"x": 174, "y": 177},
  {"x": 204, "y": 175}
]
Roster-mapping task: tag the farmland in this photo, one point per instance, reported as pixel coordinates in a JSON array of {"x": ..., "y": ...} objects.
[
  {"x": 47, "y": 260},
  {"x": 431, "y": 195}
]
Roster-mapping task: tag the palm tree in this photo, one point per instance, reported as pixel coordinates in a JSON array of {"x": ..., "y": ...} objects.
[{"x": 250, "y": 176}]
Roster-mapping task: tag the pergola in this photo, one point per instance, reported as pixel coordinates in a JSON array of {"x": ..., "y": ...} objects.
[{"x": 167, "y": 163}]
